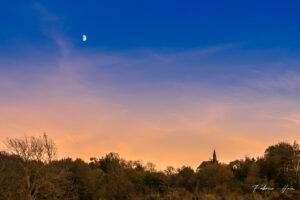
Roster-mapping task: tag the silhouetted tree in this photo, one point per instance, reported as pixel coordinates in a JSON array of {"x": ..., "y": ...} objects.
[
  {"x": 279, "y": 164},
  {"x": 30, "y": 171}
]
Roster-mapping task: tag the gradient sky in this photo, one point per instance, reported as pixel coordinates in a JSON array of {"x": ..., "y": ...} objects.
[{"x": 159, "y": 81}]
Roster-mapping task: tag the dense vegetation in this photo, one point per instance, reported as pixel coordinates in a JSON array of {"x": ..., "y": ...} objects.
[{"x": 29, "y": 171}]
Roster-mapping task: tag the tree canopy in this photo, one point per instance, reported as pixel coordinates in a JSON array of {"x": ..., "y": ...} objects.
[{"x": 30, "y": 170}]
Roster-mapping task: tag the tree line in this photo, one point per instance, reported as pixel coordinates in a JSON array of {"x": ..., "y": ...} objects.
[{"x": 30, "y": 170}]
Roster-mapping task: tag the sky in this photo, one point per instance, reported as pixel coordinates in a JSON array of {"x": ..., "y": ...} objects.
[{"x": 160, "y": 81}]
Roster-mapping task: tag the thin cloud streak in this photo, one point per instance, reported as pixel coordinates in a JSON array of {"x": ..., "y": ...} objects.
[{"x": 89, "y": 103}]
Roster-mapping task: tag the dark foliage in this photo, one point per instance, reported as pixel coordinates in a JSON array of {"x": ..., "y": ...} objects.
[{"x": 114, "y": 178}]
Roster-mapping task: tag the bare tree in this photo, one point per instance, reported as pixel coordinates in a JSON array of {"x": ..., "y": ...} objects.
[
  {"x": 36, "y": 154},
  {"x": 41, "y": 149}
]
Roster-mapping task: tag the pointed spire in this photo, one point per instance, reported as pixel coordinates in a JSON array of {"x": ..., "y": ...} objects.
[{"x": 214, "y": 156}]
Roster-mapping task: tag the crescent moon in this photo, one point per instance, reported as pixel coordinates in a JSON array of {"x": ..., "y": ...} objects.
[{"x": 84, "y": 38}]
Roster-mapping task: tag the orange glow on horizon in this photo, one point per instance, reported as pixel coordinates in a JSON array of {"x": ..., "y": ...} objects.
[{"x": 171, "y": 135}]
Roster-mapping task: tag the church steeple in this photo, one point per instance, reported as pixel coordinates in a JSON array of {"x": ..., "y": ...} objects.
[
  {"x": 214, "y": 157},
  {"x": 213, "y": 161}
]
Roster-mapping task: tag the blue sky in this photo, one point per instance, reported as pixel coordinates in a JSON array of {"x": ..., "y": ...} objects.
[
  {"x": 236, "y": 33},
  {"x": 224, "y": 74},
  {"x": 155, "y": 24}
]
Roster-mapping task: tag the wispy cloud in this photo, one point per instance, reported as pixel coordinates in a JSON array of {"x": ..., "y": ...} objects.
[
  {"x": 287, "y": 81},
  {"x": 45, "y": 14},
  {"x": 52, "y": 27},
  {"x": 94, "y": 101}
]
